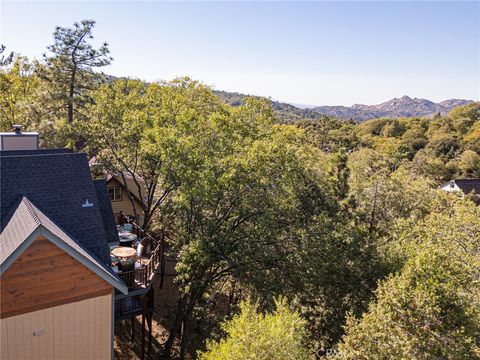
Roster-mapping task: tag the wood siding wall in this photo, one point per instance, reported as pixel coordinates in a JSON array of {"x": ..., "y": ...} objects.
[
  {"x": 124, "y": 205},
  {"x": 81, "y": 330},
  {"x": 45, "y": 276}
]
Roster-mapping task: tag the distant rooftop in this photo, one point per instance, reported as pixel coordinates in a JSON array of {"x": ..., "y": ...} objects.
[{"x": 466, "y": 185}]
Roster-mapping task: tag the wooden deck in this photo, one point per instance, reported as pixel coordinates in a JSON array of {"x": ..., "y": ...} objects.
[
  {"x": 140, "y": 297},
  {"x": 151, "y": 264},
  {"x": 143, "y": 276}
]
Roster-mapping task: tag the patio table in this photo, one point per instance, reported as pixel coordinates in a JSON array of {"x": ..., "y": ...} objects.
[
  {"x": 124, "y": 252},
  {"x": 127, "y": 239}
]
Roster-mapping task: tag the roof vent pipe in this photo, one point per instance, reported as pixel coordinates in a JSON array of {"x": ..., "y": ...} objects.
[{"x": 17, "y": 129}]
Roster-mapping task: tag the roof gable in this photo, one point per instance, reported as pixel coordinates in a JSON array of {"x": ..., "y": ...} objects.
[
  {"x": 45, "y": 276},
  {"x": 28, "y": 223},
  {"x": 130, "y": 185}
]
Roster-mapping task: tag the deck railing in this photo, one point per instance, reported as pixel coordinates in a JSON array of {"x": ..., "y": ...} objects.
[
  {"x": 129, "y": 306},
  {"x": 141, "y": 233},
  {"x": 143, "y": 276}
]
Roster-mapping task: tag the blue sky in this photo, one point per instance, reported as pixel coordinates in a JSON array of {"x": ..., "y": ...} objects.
[{"x": 318, "y": 53}]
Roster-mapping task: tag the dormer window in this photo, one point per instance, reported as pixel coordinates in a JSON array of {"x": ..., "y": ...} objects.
[{"x": 115, "y": 193}]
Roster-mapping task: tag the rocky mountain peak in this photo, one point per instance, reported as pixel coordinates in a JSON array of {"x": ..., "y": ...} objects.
[{"x": 394, "y": 108}]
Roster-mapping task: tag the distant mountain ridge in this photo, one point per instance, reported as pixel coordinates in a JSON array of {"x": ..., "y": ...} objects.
[{"x": 394, "y": 108}]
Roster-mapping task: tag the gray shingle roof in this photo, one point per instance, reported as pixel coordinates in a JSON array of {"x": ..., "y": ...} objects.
[
  {"x": 59, "y": 183},
  {"x": 469, "y": 185},
  {"x": 106, "y": 211},
  {"x": 27, "y": 223},
  {"x": 24, "y": 223}
]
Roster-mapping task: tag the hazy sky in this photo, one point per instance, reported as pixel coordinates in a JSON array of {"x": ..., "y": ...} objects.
[{"x": 320, "y": 53}]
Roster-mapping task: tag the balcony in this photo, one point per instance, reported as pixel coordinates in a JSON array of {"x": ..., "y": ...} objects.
[
  {"x": 142, "y": 257},
  {"x": 145, "y": 263},
  {"x": 146, "y": 268}
]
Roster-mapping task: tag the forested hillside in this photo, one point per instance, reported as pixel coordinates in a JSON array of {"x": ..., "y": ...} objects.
[
  {"x": 321, "y": 235},
  {"x": 394, "y": 108},
  {"x": 439, "y": 148},
  {"x": 284, "y": 111}
]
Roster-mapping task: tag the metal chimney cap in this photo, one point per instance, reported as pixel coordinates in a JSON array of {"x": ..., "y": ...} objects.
[{"x": 17, "y": 129}]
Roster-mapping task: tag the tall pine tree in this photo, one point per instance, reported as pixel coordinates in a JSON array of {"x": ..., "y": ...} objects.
[{"x": 70, "y": 68}]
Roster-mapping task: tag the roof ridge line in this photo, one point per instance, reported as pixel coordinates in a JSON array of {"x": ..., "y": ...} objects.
[
  {"x": 4, "y": 154},
  {"x": 31, "y": 210}
]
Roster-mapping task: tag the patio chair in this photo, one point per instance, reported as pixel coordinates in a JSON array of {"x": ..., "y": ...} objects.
[
  {"x": 127, "y": 266},
  {"x": 128, "y": 228},
  {"x": 139, "y": 250}
]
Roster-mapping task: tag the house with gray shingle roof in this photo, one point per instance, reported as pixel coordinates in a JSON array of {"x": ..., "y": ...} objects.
[
  {"x": 127, "y": 192},
  {"x": 57, "y": 285},
  {"x": 467, "y": 186}
]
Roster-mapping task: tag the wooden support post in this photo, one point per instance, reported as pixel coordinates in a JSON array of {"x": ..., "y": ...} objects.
[
  {"x": 142, "y": 353},
  {"x": 133, "y": 329},
  {"x": 162, "y": 259},
  {"x": 150, "y": 331},
  {"x": 183, "y": 340}
]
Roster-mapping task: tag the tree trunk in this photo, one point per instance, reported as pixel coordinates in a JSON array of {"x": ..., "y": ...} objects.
[
  {"x": 184, "y": 309},
  {"x": 183, "y": 340},
  {"x": 231, "y": 296},
  {"x": 371, "y": 226},
  {"x": 146, "y": 220},
  {"x": 174, "y": 329},
  {"x": 70, "y": 95}
]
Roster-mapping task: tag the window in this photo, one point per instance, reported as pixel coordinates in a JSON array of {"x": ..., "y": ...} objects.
[{"x": 115, "y": 193}]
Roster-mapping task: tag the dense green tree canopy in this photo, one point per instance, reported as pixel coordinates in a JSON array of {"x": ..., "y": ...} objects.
[
  {"x": 430, "y": 308},
  {"x": 19, "y": 90},
  {"x": 252, "y": 335},
  {"x": 236, "y": 189}
]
